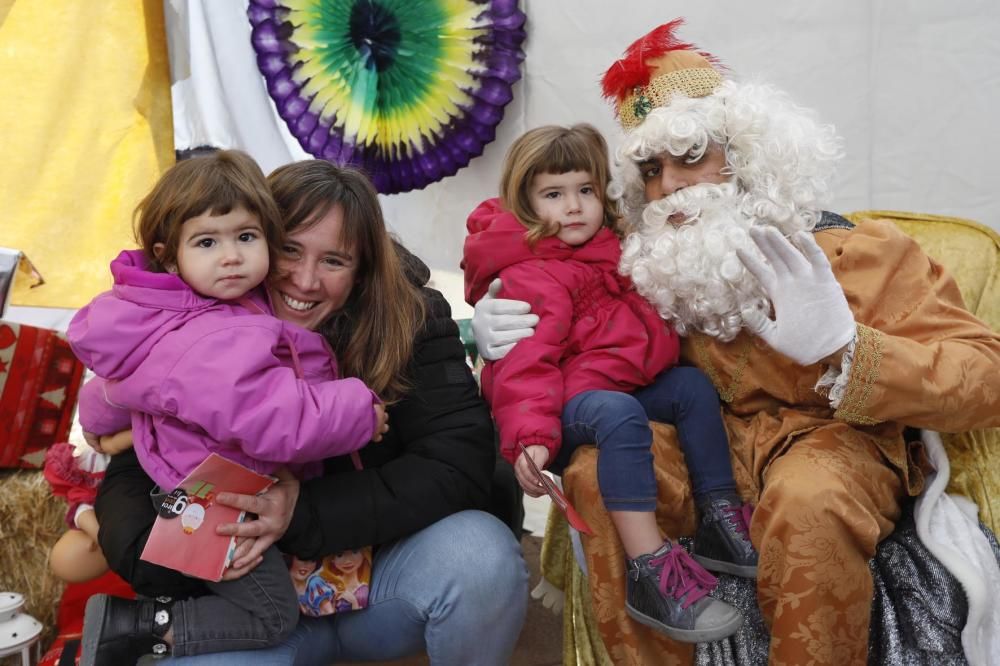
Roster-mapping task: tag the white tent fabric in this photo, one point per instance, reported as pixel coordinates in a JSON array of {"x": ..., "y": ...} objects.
[
  {"x": 911, "y": 87},
  {"x": 219, "y": 95}
]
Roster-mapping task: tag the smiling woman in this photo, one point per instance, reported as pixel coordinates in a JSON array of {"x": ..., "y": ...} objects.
[
  {"x": 315, "y": 273},
  {"x": 341, "y": 274}
]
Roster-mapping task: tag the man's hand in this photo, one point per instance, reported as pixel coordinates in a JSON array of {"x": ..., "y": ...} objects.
[
  {"x": 499, "y": 323},
  {"x": 812, "y": 320},
  {"x": 525, "y": 475},
  {"x": 274, "y": 513}
]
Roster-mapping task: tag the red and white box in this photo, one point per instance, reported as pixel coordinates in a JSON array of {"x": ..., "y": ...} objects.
[{"x": 39, "y": 382}]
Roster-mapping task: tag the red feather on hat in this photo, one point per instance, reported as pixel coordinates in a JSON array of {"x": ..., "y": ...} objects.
[{"x": 631, "y": 70}]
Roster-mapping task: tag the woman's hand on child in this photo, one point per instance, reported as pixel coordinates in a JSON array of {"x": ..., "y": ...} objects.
[
  {"x": 525, "y": 475},
  {"x": 381, "y": 422},
  {"x": 274, "y": 511},
  {"x": 243, "y": 548}
]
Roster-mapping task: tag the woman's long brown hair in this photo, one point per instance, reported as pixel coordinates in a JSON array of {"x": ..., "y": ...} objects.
[{"x": 373, "y": 333}]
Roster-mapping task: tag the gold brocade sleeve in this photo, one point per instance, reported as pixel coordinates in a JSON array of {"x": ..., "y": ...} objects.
[
  {"x": 864, "y": 371},
  {"x": 921, "y": 358}
]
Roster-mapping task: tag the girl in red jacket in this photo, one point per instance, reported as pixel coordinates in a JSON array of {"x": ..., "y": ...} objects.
[{"x": 599, "y": 366}]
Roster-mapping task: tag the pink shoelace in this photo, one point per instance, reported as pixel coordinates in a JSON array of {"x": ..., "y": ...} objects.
[
  {"x": 681, "y": 576},
  {"x": 740, "y": 517}
]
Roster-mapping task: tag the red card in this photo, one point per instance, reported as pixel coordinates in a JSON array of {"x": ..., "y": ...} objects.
[
  {"x": 572, "y": 517},
  {"x": 183, "y": 537}
]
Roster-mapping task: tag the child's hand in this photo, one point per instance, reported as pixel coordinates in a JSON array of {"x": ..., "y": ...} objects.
[
  {"x": 381, "y": 422},
  {"x": 93, "y": 441},
  {"x": 525, "y": 475},
  {"x": 118, "y": 442},
  {"x": 109, "y": 444}
]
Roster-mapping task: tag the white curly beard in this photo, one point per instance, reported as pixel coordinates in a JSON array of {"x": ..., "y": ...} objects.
[{"x": 682, "y": 258}]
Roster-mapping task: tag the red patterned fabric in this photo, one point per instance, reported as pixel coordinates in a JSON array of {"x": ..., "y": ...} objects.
[{"x": 39, "y": 381}]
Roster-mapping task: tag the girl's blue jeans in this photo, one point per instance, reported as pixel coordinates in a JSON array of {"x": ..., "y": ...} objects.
[{"x": 618, "y": 423}]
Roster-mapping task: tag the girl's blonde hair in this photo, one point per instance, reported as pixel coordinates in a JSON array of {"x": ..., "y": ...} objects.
[
  {"x": 373, "y": 333},
  {"x": 556, "y": 150},
  {"x": 213, "y": 184}
]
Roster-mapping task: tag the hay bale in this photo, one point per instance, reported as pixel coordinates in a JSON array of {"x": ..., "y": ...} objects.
[{"x": 31, "y": 519}]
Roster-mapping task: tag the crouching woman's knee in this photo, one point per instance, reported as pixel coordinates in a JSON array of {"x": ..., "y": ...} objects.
[{"x": 491, "y": 545}]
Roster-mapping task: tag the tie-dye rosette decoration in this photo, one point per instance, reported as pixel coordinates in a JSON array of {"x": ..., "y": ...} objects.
[{"x": 408, "y": 90}]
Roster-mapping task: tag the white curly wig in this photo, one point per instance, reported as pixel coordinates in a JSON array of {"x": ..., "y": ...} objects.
[{"x": 781, "y": 161}]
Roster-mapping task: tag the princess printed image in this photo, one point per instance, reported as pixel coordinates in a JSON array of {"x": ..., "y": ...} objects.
[
  {"x": 315, "y": 594},
  {"x": 337, "y": 584},
  {"x": 350, "y": 573}
]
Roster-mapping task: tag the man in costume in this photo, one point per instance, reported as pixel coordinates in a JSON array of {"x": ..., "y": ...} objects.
[{"x": 823, "y": 339}]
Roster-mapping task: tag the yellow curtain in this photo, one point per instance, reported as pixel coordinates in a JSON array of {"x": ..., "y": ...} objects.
[{"x": 87, "y": 129}]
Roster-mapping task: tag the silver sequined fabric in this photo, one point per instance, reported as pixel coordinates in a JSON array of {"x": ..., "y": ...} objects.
[{"x": 917, "y": 617}]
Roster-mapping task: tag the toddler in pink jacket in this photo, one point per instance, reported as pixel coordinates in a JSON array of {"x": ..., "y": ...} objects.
[{"x": 186, "y": 341}]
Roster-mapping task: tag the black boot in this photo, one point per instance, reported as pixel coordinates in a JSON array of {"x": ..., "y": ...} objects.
[
  {"x": 120, "y": 631},
  {"x": 668, "y": 591},
  {"x": 722, "y": 542}
]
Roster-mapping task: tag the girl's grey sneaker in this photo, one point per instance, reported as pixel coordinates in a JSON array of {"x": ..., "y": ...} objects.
[
  {"x": 668, "y": 591},
  {"x": 722, "y": 542}
]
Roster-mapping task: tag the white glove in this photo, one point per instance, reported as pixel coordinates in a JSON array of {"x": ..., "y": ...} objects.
[
  {"x": 811, "y": 317},
  {"x": 499, "y": 323},
  {"x": 551, "y": 596}
]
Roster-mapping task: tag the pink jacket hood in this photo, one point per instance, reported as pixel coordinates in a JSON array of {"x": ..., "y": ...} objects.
[
  {"x": 496, "y": 242},
  {"x": 115, "y": 332}
]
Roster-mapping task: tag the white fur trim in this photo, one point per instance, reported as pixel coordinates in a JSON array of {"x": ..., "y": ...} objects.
[
  {"x": 948, "y": 526},
  {"x": 834, "y": 381}
]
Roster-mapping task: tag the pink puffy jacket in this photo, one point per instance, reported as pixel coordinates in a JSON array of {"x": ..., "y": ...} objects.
[{"x": 201, "y": 375}]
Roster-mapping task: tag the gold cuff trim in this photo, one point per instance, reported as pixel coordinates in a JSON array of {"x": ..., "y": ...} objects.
[
  {"x": 864, "y": 373},
  {"x": 692, "y": 82}
]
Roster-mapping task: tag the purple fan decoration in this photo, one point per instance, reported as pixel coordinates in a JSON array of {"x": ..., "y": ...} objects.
[{"x": 408, "y": 90}]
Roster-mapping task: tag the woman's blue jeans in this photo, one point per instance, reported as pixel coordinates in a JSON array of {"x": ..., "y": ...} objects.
[
  {"x": 457, "y": 590},
  {"x": 618, "y": 423}
]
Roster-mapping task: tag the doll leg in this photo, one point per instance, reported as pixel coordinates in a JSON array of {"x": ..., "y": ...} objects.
[{"x": 76, "y": 558}]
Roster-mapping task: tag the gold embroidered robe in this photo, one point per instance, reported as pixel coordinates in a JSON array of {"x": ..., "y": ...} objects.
[{"x": 827, "y": 483}]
